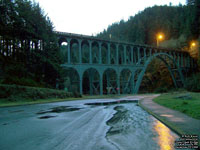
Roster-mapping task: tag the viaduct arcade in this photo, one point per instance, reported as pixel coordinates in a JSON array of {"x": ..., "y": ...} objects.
[{"x": 96, "y": 66}]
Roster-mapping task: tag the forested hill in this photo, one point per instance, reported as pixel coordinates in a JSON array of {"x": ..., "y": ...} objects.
[{"x": 175, "y": 22}]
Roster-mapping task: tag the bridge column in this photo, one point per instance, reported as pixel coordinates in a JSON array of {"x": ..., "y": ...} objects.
[
  {"x": 178, "y": 59},
  {"x": 90, "y": 52},
  {"x": 181, "y": 59},
  {"x": 145, "y": 54},
  {"x": 91, "y": 76},
  {"x": 138, "y": 53},
  {"x": 108, "y": 81},
  {"x": 69, "y": 51},
  {"x": 124, "y": 54},
  {"x": 131, "y": 55},
  {"x": 150, "y": 52},
  {"x": 81, "y": 84},
  {"x": 132, "y": 82},
  {"x": 134, "y": 53},
  {"x": 101, "y": 84},
  {"x": 117, "y": 54},
  {"x": 108, "y": 58},
  {"x": 118, "y": 83},
  {"x": 80, "y": 51},
  {"x": 100, "y": 58}
]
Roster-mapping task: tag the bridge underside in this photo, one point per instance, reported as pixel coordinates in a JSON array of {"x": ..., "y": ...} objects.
[{"x": 95, "y": 66}]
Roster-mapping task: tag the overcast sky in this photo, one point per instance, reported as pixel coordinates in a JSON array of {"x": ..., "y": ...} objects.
[{"x": 93, "y": 16}]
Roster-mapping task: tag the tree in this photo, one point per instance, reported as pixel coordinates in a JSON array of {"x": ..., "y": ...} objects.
[{"x": 27, "y": 40}]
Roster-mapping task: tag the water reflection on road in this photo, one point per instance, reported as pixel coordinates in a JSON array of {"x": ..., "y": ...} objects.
[
  {"x": 166, "y": 138},
  {"x": 76, "y": 126}
]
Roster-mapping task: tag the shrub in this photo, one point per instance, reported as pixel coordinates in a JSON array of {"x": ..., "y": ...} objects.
[
  {"x": 161, "y": 90},
  {"x": 16, "y": 92},
  {"x": 193, "y": 83}
]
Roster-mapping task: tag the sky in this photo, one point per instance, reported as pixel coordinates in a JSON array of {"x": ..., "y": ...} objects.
[{"x": 90, "y": 17}]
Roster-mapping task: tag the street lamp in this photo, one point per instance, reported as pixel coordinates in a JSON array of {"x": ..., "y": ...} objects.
[{"x": 159, "y": 37}]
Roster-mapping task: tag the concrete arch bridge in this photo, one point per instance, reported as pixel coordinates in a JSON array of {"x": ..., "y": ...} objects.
[{"x": 96, "y": 66}]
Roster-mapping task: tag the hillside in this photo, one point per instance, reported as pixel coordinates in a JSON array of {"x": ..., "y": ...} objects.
[{"x": 175, "y": 22}]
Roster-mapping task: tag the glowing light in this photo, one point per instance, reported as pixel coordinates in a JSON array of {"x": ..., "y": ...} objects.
[
  {"x": 193, "y": 44},
  {"x": 165, "y": 138},
  {"x": 160, "y": 36}
]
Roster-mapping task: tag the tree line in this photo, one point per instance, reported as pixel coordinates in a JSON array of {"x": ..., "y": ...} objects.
[{"x": 28, "y": 51}]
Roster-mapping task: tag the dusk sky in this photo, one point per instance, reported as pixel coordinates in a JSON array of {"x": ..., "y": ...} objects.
[{"x": 93, "y": 16}]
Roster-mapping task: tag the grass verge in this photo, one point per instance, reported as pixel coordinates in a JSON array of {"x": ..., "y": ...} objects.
[{"x": 185, "y": 102}]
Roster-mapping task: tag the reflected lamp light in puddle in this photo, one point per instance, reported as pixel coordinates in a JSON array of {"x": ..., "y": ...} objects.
[{"x": 165, "y": 139}]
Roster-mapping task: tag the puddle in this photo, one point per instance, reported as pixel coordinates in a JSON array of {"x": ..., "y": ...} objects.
[
  {"x": 115, "y": 122},
  {"x": 46, "y": 117},
  {"x": 59, "y": 109},
  {"x": 4, "y": 124},
  {"x": 112, "y": 102},
  {"x": 16, "y": 111}
]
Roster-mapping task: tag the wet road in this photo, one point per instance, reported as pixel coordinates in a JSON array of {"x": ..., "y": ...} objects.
[{"x": 75, "y": 125}]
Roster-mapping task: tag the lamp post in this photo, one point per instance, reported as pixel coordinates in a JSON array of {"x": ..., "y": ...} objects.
[{"x": 159, "y": 38}]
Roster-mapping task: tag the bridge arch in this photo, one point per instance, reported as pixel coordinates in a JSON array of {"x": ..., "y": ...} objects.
[
  {"x": 126, "y": 81},
  {"x": 95, "y": 52},
  {"x": 71, "y": 79},
  {"x": 110, "y": 77},
  {"x": 74, "y": 45},
  {"x": 162, "y": 56},
  {"x": 85, "y": 51},
  {"x": 91, "y": 81}
]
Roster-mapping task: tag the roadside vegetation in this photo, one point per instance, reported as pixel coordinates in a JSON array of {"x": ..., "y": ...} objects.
[{"x": 185, "y": 102}]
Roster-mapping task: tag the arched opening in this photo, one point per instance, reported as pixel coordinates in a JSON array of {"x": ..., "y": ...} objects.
[
  {"x": 128, "y": 55},
  {"x": 70, "y": 80},
  {"x": 85, "y": 51},
  {"x": 63, "y": 44},
  {"x": 125, "y": 81},
  {"x": 91, "y": 82},
  {"x": 95, "y": 52},
  {"x": 74, "y": 51},
  {"x": 121, "y": 54},
  {"x": 112, "y": 54},
  {"x": 104, "y": 53},
  {"x": 110, "y": 81},
  {"x": 158, "y": 75}
]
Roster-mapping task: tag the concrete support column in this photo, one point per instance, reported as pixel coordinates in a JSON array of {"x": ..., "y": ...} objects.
[
  {"x": 138, "y": 53},
  {"x": 118, "y": 83},
  {"x": 108, "y": 56},
  {"x": 134, "y": 55},
  {"x": 181, "y": 59},
  {"x": 108, "y": 81},
  {"x": 101, "y": 84},
  {"x": 150, "y": 52},
  {"x": 188, "y": 61},
  {"x": 69, "y": 51},
  {"x": 132, "y": 82},
  {"x": 131, "y": 55},
  {"x": 80, "y": 84},
  {"x": 124, "y": 54},
  {"x": 178, "y": 59},
  {"x": 90, "y": 52},
  {"x": 80, "y": 51},
  {"x": 100, "y": 57},
  {"x": 145, "y": 54},
  {"x": 117, "y": 54},
  {"x": 91, "y": 75}
]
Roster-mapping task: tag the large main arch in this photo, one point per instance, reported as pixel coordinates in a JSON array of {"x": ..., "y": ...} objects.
[{"x": 174, "y": 69}]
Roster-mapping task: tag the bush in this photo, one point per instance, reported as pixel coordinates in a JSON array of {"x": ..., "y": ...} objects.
[
  {"x": 16, "y": 92},
  {"x": 161, "y": 90},
  {"x": 193, "y": 83}
]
